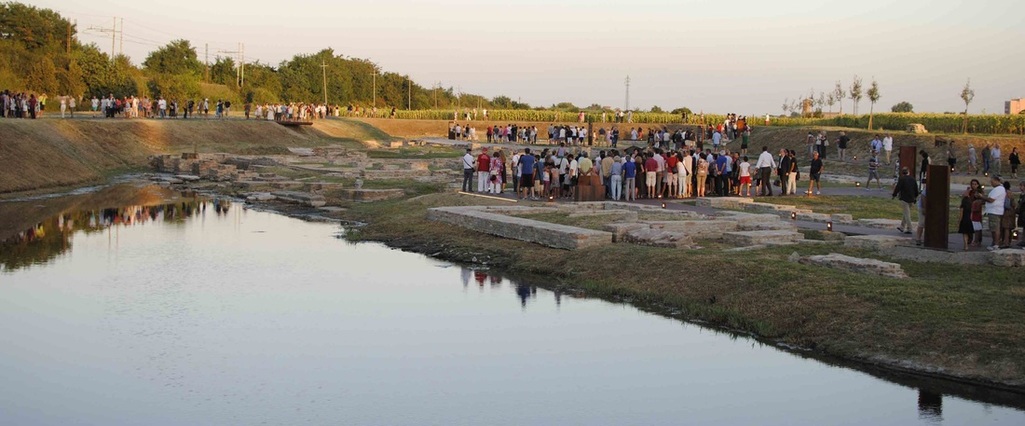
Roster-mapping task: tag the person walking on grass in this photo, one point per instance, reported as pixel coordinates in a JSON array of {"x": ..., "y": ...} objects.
[
  {"x": 873, "y": 170},
  {"x": 907, "y": 190}
]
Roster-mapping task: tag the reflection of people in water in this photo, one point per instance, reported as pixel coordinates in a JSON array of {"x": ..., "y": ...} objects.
[
  {"x": 465, "y": 273},
  {"x": 47, "y": 239},
  {"x": 525, "y": 292},
  {"x": 930, "y": 405},
  {"x": 480, "y": 276}
]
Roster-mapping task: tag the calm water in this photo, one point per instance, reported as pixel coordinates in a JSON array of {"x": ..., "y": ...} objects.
[{"x": 203, "y": 314}]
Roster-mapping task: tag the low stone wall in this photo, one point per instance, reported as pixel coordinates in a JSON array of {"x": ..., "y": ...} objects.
[{"x": 547, "y": 234}]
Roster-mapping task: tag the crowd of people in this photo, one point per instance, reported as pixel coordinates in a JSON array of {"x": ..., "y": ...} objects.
[
  {"x": 28, "y": 105},
  {"x": 633, "y": 173}
]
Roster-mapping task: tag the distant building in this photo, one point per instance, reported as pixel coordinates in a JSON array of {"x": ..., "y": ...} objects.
[{"x": 1014, "y": 106}]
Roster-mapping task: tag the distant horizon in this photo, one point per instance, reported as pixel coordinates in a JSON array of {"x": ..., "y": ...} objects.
[{"x": 577, "y": 51}]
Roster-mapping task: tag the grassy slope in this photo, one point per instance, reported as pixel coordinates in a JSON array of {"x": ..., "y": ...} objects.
[
  {"x": 962, "y": 321},
  {"x": 50, "y": 153}
]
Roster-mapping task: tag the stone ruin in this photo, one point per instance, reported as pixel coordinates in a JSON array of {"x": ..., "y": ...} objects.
[{"x": 675, "y": 229}]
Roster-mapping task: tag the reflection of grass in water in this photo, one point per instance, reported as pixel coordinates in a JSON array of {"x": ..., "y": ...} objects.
[{"x": 962, "y": 318}]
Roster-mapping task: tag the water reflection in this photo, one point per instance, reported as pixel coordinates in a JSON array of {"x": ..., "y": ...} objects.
[
  {"x": 930, "y": 406},
  {"x": 48, "y": 238}
]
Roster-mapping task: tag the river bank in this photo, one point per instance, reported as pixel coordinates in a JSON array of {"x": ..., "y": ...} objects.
[
  {"x": 951, "y": 321},
  {"x": 945, "y": 321}
]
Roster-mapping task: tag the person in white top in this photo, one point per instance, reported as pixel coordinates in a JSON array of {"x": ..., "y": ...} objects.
[
  {"x": 764, "y": 166},
  {"x": 468, "y": 171},
  {"x": 64, "y": 105},
  {"x": 687, "y": 169},
  {"x": 888, "y": 147},
  {"x": 994, "y": 209},
  {"x": 745, "y": 177}
]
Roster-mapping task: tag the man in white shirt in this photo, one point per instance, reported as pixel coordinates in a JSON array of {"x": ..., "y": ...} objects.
[
  {"x": 994, "y": 209},
  {"x": 994, "y": 159},
  {"x": 888, "y": 147},
  {"x": 764, "y": 166},
  {"x": 467, "y": 171}
]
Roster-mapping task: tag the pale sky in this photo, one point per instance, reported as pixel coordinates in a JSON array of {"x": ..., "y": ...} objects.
[{"x": 740, "y": 56}]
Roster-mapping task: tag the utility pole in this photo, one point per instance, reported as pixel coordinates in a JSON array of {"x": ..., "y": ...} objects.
[
  {"x": 69, "y": 39},
  {"x": 437, "y": 87},
  {"x": 627, "y": 106},
  {"x": 121, "y": 50},
  {"x": 375, "y": 87},
  {"x": 323, "y": 66},
  {"x": 113, "y": 35},
  {"x": 206, "y": 61},
  {"x": 237, "y": 66},
  {"x": 242, "y": 64},
  {"x": 409, "y": 93}
]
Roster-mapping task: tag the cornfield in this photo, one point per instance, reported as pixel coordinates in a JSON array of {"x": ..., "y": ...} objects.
[
  {"x": 936, "y": 123},
  {"x": 522, "y": 115}
]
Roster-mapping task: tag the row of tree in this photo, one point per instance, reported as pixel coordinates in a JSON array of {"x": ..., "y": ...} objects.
[
  {"x": 811, "y": 105},
  {"x": 41, "y": 53}
]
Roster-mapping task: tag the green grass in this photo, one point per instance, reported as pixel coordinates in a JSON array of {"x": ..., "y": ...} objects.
[
  {"x": 417, "y": 153},
  {"x": 966, "y": 320}
]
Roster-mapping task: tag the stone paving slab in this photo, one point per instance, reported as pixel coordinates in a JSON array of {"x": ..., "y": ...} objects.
[
  {"x": 534, "y": 231},
  {"x": 856, "y": 264},
  {"x": 750, "y": 238}
]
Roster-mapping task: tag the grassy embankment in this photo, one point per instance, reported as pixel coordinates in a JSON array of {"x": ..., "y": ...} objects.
[{"x": 949, "y": 319}]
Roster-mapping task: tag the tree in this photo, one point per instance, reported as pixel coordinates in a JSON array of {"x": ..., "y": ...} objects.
[
  {"x": 682, "y": 111},
  {"x": 873, "y": 97},
  {"x": 839, "y": 94},
  {"x": 856, "y": 92},
  {"x": 903, "y": 106},
  {"x": 786, "y": 106},
  {"x": 656, "y": 109},
  {"x": 831, "y": 100},
  {"x": 967, "y": 94},
  {"x": 177, "y": 57},
  {"x": 223, "y": 72}
]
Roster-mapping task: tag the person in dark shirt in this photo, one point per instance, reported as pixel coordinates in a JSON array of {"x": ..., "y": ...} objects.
[
  {"x": 907, "y": 190},
  {"x": 815, "y": 173}
]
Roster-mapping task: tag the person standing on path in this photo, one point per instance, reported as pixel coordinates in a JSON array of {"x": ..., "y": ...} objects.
[
  {"x": 907, "y": 190},
  {"x": 786, "y": 166},
  {"x": 630, "y": 178},
  {"x": 526, "y": 167},
  {"x": 815, "y": 174},
  {"x": 994, "y": 159},
  {"x": 764, "y": 166},
  {"x": 873, "y": 171},
  {"x": 467, "y": 171},
  {"x": 483, "y": 170},
  {"x": 994, "y": 209}
]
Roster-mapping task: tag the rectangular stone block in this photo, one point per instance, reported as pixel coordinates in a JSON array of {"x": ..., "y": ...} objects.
[
  {"x": 875, "y": 242},
  {"x": 750, "y": 238},
  {"x": 1008, "y": 257},
  {"x": 547, "y": 234}
]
